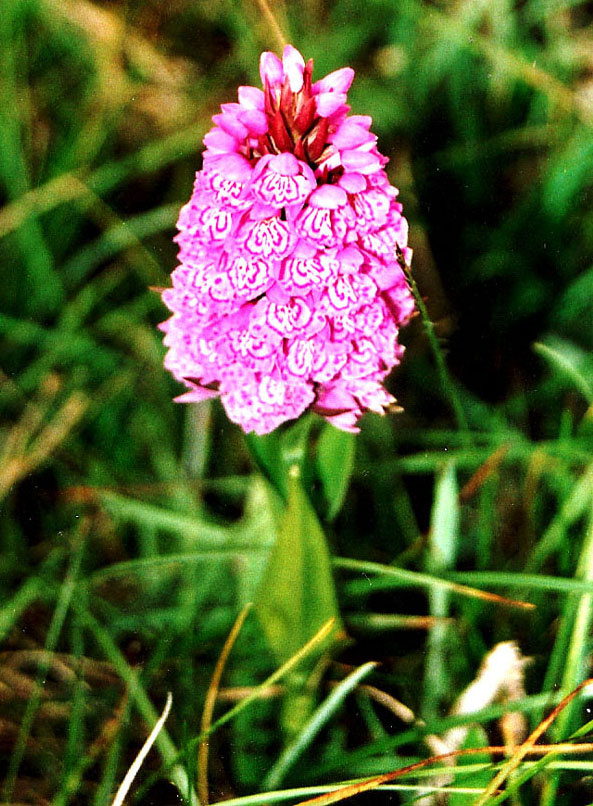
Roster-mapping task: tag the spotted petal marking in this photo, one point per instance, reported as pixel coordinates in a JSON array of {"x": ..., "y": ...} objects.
[
  {"x": 304, "y": 272},
  {"x": 371, "y": 209},
  {"x": 341, "y": 294},
  {"x": 269, "y": 238},
  {"x": 271, "y": 391},
  {"x": 300, "y": 357},
  {"x": 254, "y": 342},
  {"x": 280, "y": 191},
  {"x": 217, "y": 223},
  {"x": 229, "y": 192},
  {"x": 316, "y": 225},
  {"x": 249, "y": 275},
  {"x": 327, "y": 365},
  {"x": 221, "y": 288},
  {"x": 286, "y": 319},
  {"x": 369, "y": 319}
]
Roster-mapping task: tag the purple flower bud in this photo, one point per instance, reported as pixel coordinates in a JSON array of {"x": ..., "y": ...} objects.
[
  {"x": 294, "y": 66},
  {"x": 270, "y": 69}
]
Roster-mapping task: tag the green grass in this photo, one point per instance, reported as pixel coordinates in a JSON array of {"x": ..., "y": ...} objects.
[{"x": 133, "y": 531}]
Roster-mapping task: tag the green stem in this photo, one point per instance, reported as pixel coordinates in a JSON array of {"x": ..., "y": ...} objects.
[{"x": 445, "y": 379}]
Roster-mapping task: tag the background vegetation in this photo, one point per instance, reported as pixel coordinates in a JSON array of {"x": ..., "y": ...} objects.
[{"x": 133, "y": 531}]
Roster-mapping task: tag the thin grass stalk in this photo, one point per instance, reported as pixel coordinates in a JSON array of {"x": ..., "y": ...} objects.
[
  {"x": 140, "y": 698},
  {"x": 144, "y": 750},
  {"x": 447, "y": 383},
  {"x": 53, "y": 633},
  {"x": 283, "y": 670},
  {"x": 210, "y": 702},
  {"x": 369, "y": 784},
  {"x": 406, "y": 578}
]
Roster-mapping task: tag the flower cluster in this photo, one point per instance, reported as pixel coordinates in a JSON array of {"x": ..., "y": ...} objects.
[{"x": 288, "y": 295}]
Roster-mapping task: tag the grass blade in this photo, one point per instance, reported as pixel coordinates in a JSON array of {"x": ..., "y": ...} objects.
[{"x": 314, "y": 724}]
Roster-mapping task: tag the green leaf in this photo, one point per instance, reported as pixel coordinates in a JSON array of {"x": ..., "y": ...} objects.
[
  {"x": 314, "y": 725},
  {"x": 295, "y": 598},
  {"x": 143, "y": 514},
  {"x": 294, "y": 440},
  {"x": 274, "y": 454},
  {"x": 444, "y": 522},
  {"x": 573, "y": 644},
  {"x": 442, "y": 550},
  {"x": 296, "y": 595},
  {"x": 266, "y": 452},
  {"x": 570, "y": 361},
  {"x": 335, "y": 461}
]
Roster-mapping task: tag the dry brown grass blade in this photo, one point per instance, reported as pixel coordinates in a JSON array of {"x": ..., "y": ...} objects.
[
  {"x": 267, "y": 12},
  {"x": 63, "y": 188},
  {"x": 30, "y": 443},
  {"x": 421, "y": 579},
  {"x": 21, "y": 674},
  {"x": 496, "y": 750},
  {"x": 528, "y": 745},
  {"x": 495, "y": 598},
  {"x": 86, "y": 494},
  {"x": 101, "y": 743},
  {"x": 483, "y": 473},
  {"x": 527, "y": 748},
  {"x": 210, "y": 702},
  {"x": 476, "y": 593}
]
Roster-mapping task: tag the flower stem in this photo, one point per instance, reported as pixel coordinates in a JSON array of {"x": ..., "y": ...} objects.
[
  {"x": 446, "y": 381},
  {"x": 273, "y": 22}
]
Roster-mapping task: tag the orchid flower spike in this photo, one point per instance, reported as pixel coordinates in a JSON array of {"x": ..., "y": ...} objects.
[{"x": 288, "y": 295}]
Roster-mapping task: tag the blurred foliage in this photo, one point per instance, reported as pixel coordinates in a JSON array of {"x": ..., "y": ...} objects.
[{"x": 134, "y": 530}]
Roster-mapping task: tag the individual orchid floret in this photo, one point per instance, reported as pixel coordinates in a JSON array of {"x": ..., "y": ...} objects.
[{"x": 289, "y": 296}]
